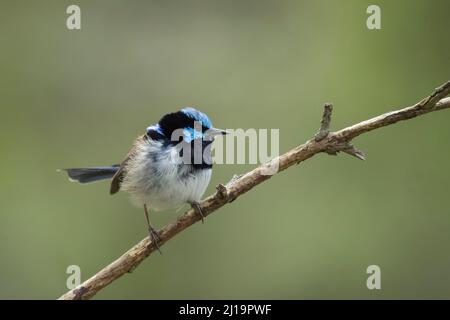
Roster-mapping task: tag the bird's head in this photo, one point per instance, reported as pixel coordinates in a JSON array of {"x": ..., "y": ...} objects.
[{"x": 187, "y": 125}]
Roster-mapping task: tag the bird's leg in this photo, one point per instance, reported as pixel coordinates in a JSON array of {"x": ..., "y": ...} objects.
[
  {"x": 196, "y": 206},
  {"x": 154, "y": 236}
]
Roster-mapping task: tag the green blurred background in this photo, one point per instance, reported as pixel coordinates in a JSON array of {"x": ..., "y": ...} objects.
[{"x": 79, "y": 98}]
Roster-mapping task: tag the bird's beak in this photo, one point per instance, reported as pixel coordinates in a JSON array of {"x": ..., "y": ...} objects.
[{"x": 216, "y": 132}]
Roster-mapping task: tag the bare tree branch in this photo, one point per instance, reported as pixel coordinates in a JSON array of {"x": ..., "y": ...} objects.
[{"x": 324, "y": 141}]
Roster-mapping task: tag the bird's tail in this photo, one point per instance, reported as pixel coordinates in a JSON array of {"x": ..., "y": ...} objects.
[{"x": 87, "y": 175}]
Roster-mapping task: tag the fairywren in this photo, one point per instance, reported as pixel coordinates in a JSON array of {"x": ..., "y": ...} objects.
[{"x": 168, "y": 166}]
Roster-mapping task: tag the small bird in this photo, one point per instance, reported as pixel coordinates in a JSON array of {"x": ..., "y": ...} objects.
[{"x": 170, "y": 165}]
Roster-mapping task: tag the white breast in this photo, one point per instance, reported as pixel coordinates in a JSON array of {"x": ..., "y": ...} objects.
[{"x": 156, "y": 177}]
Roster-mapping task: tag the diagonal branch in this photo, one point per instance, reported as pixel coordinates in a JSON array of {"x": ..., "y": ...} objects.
[{"x": 324, "y": 141}]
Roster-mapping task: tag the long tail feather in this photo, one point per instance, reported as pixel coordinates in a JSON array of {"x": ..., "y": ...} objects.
[{"x": 87, "y": 175}]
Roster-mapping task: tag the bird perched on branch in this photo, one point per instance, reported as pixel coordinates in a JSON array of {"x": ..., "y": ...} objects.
[{"x": 168, "y": 166}]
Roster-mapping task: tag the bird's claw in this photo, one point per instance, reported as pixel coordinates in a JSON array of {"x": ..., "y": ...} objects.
[
  {"x": 155, "y": 238},
  {"x": 196, "y": 206}
]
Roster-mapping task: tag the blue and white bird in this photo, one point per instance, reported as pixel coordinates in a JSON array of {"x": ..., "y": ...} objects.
[{"x": 168, "y": 166}]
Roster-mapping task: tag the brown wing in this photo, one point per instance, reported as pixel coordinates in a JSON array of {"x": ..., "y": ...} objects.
[{"x": 118, "y": 177}]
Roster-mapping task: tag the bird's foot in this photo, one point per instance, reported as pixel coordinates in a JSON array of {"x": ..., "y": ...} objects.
[
  {"x": 196, "y": 206},
  {"x": 154, "y": 237}
]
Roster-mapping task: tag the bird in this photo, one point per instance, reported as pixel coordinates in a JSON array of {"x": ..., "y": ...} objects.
[{"x": 168, "y": 166}]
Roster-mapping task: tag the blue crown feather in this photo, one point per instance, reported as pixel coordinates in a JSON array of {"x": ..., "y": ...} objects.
[{"x": 197, "y": 116}]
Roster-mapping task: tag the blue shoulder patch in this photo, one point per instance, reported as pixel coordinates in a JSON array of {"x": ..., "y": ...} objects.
[{"x": 154, "y": 132}]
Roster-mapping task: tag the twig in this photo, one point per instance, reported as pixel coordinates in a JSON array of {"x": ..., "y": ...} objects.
[
  {"x": 325, "y": 123},
  {"x": 324, "y": 141}
]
